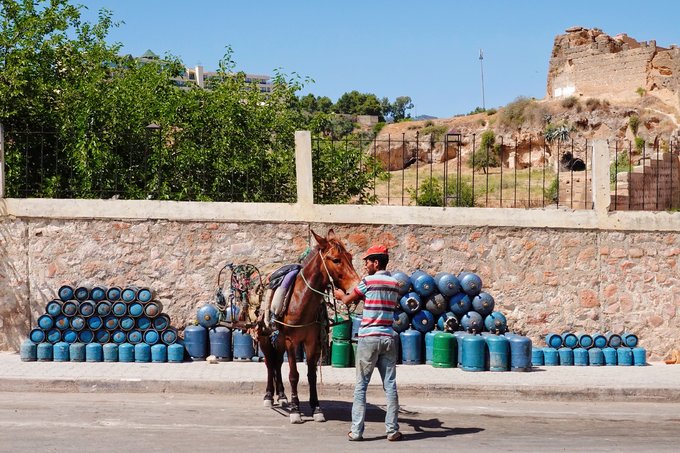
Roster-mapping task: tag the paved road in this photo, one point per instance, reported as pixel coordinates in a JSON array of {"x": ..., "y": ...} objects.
[{"x": 57, "y": 422}]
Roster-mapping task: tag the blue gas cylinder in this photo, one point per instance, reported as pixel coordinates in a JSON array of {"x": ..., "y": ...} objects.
[
  {"x": 460, "y": 304},
  {"x": 595, "y": 357},
  {"x": 61, "y": 322},
  {"x": 610, "y": 358},
  {"x": 118, "y": 336},
  {"x": 127, "y": 323},
  {"x": 136, "y": 309},
  {"x": 447, "y": 284},
  {"x": 142, "y": 352},
  {"x": 28, "y": 351},
  {"x": 65, "y": 293},
  {"x": 472, "y": 322},
  {"x": 94, "y": 323},
  {"x": 77, "y": 352},
  {"x": 93, "y": 352},
  {"x": 629, "y": 339},
  {"x": 36, "y": 336},
  {"x": 624, "y": 356},
  {"x": 86, "y": 336},
  {"x": 423, "y": 283},
  {"x": 639, "y": 356},
  {"x": 110, "y": 352},
  {"x": 144, "y": 295},
  {"x": 151, "y": 337},
  {"x": 60, "y": 352},
  {"x": 126, "y": 352},
  {"x": 159, "y": 353},
  {"x": 86, "y": 308},
  {"x": 470, "y": 283},
  {"x": 44, "y": 352},
  {"x": 220, "y": 343},
  {"x": 569, "y": 340},
  {"x": 411, "y": 347},
  {"x": 176, "y": 353},
  {"x": 550, "y": 356},
  {"x": 566, "y": 356},
  {"x": 161, "y": 322},
  {"x": 169, "y": 336},
  {"x": 113, "y": 293},
  {"x": 613, "y": 340},
  {"x": 356, "y": 324},
  {"x": 81, "y": 293},
  {"x": 70, "y": 336},
  {"x": 537, "y": 358},
  {"x": 135, "y": 337},
  {"x": 403, "y": 282},
  {"x": 244, "y": 348},
  {"x": 129, "y": 294},
  {"x": 153, "y": 309},
  {"x": 143, "y": 323},
  {"x": 208, "y": 316},
  {"x": 585, "y": 341},
  {"x": 436, "y": 304},
  {"x": 496, "y": 323},
  {"x": 53, "y": 336},
  {"x": 45, "y": 322},
  {"x": 599, "y": 341},
  {"x": 69, "y": 308},
  {"x": 103, "y": 308},
  {"x": 119, "y": 308},
  {"x": 520, "y": 353},
  {"x": 410, "y": 303},
  {"x": 474, "y": 353},
  {"x": 53, "y": 308},
  {"x": 580, "y": 357},
  {"x": 554, "y": 340},
  {"x": 448, "y": 322},
  {"x": 429, "y": 346},
  {"x": 111, "y": 322},
  {"x": 459, "y": 346},
  {"x": 77, "y": 323},
  {"x": 97, "y": 293},
  {"x": 401, "y": 321},
  {"x": 498, "y": 352},
  {"x": 196, "y": 342},
  {"x": 423, "y": 321},
  {"x": 483, "y": 303}
]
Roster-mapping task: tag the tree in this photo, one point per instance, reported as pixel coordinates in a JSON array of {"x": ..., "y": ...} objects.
[
  {"x": 355, "y": 103},
  {"x": 399, "y": 108},
  {"x": 487, "y": 155}
]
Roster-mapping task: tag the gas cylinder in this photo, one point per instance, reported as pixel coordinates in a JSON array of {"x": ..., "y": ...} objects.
[
  {"x": 356, "y": 324},
  {"x": 629, "y": 339},
  {"x": 444, "y": 350},
  {"x": 411, "y": 347},
  {"x": 143, "y": 323},
  {"x": 153, "y": 309},
  {"x": 483, "y": 303},
  {"x": 613, "y": 340},
  {"x": 474, "y": 353},
  {"x": 580, "y": 357},
  {"x": 429, "y": 345},
  {"x": 459, "y": 335},
  {"x": 69, "y": 308},
  {"x": 470, "y": 283},
  {"x": 77, "y": 352},
  {"x": 496, "y": 323},
  {"x": 566, "y": 356},
  {"x": 220, "y": 343},
  {"x": 436, "y": 304},
  {"x": 103, "y": 308},
  {"x": 93, "y": 352},
  {"x": 410, "y": 303},
  {"x": 610, "y": 358},
  {"x": 584, "y": 340},
  {"x": 126, "y": 352},
  {"x": 342, "y": 328},
  {"x": 142, "y": 353},
  {"x": 95, "y": 323},
  {"x": 161, "y": 322},
  {"x": 169, "y": 336},
  {"x": 447, "y": 284},
  {"x": 61, "y": 352},
  {"x": 118, "y": 336},
  {"x": 520, "y": 352},
  {"x": 129, "y": 294},
  {"x": 550, "y": 356},
  {"x": 81, "y": 293},
  {"x": 423, "y": 283},
  {"x": 341, "y": 352},
  {"x": 403, "y": 282},
  {"x": 136, "y": 309},
  {"x": 401, "y": 321},
  {"x": 159, "y": 353},
  {"x": 36, "y": 336},
  {"x": 472, "y": 322},
  {"x": 460, "y": 304},
  {"x": 498, "y": 352},
  {"x": 113, "y": 294},
  {"x": 554, "y": 340},
  {"x": 595, "y": 357},
  {"x": 537, "y": 358},
  {"x": 208, "y": 316},
  {"x": 28, "y": 351},
  {"x": 624, "y": 356},
  {"x": 102, "y": 336},
  {"x": 97, "y": 293},
  {"x": 423, "y": 321},
  {"x": 176, "y": 353},
  {"x": 111, "y": 322},
  {"x": 44, "y": 352},
  {"x": 86, "y": 336},
  {"x": 639, "y": 356},
  {"x": 119, "y": 309},
  {"x": 244, "y": 349},
  {"x": 86, "y": 308},
  {"x": 110, "y": 351},
  {"x": 599, "y": 340},
  {"x": 151, "y": 337},
  {"x": 569, "y": 340},
  {"x": 53, "y": 308},
  {"x": 144, "y": 295},
  {"x": 448, "y": 322},
  {"x": 45, "y": 322},
  {"x": 65, "y": 293},
  {"x": 196, "y": 342}
]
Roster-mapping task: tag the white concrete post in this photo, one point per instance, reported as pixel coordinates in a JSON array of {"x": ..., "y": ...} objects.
[
  {"x": 303, "y": 167},
  {"x": 601, "y": 191},
  {"x": 2, "y": 161}
]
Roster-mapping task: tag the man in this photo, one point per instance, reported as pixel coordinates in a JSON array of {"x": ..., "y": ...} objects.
[{"x": 377, "y": 341}]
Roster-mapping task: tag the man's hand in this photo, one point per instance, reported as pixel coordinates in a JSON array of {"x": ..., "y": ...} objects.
[
  {"x": 346, "y": 299},
  {"x": 338, "y": 294}
]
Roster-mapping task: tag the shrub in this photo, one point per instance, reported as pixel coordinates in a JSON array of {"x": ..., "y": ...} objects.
[
  {"x": 378, "y": 127},
  {"x": 593, "y": 104},
  {"x": 459, "y": 194},
  {"x": 429, "y": 123},
  {"x": 557, "y": 132},
  {"x": 621, "y": 164},
  {"x": 570, "y": 102},
  {"x": 634, "y": 124},
  {"x": 436, "y": 131},
  {"x": 429, "y": 193},
  {"x": 514, "y": 114},
  {"x": 639, "y": 144},
  {"x": 490, "y": 112},
  {"x": 550, "y": 193},
  {"x": 487, "y": 155},
  {"x": 641, "y": 91}
]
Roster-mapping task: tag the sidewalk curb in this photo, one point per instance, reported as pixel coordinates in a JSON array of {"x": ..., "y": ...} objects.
[{"x": 499, "y": 392}]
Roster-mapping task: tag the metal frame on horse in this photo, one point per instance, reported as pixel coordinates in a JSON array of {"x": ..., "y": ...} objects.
[{"x": 305, "y": 321}]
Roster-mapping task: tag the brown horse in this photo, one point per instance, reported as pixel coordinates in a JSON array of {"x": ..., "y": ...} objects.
[{"x": 305, "y": 320}]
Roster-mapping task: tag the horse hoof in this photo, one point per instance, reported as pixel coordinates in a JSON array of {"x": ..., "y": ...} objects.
[
  {"x": 268, "y": 403},
  {"x": 318, "y": 417},
  {"x": 283, "y": 402},
  {"x": 295, "y": 418}
]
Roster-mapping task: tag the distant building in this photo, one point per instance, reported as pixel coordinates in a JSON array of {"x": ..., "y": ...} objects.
[{"x": 201, "y": 77}]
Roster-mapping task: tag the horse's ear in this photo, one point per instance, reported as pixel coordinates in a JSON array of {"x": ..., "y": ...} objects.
[
  {"x": 331, "y": 235},
  {"x": 320, "y": 239}
]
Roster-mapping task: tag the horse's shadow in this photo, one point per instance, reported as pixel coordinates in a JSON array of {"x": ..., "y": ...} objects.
[{"x": 424, "y": 428}]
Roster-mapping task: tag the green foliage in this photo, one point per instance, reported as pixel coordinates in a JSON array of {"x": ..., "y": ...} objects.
[
  {"x": 313, "y": 104},
  {"x": 398, "y": 109},
  {"x": 331, "y": 125},
  {"x": 378, "y": 127},
  {"x": 514, "y": 114},
  {"x": 634, "y": 124},
  {"x": 490, "y": 112},
  {"x": 460, "y": 193},
  {"x": 639, "y": 144},
  {"x": 429, "y": 123},
  {"x": 570, "y": 102},
  {"x": 355, "y": 103},
  {"x": 488, "y": 153},
  {"x": 641, "y": 91},
  {"x": 620, "y": 165},
  {"x": 437, "y": 131},
  {"x": 550, "y": 193},
  {"x": 557, "y": 132},
  {"x": 429, "y": 193},
  {"x": 477, "y": 110}
]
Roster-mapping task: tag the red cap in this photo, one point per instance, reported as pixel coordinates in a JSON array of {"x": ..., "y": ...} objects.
[{"x": 375, "y": 250}]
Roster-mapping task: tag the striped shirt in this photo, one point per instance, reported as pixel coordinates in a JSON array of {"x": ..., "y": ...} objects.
[{"x": 380, "y": 294}]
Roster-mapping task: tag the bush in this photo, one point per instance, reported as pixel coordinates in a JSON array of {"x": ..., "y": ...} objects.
[
  {"x": 429, "y": 123},
  {"x": 513, "y": 114},
  {"x": 436, "y": 131},
  {"x": 487, "y": 155},
  {"x": 378, "y": 127},
  {"x": 593, "y": 104},
  {"x": 639, "y": 144},
  {"x": 490, "y": 112},
  {"x": 460, "y": 194},
  {"x": 550, "y": 193},
  {"x": 621, "y": 164},
  {"x": 429, "y": 193},
  {"x": 641, "y": 91},
  {"x": 557, "y": 132},
  {"x": 634, "y": 124},
  {"x": 570, "y": 102}
]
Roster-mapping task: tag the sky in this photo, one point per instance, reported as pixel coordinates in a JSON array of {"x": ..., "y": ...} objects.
[{"x": 426, "y": 49}]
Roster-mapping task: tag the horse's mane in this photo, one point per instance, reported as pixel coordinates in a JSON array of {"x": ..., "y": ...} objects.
[{"x": 334, "y": 243}]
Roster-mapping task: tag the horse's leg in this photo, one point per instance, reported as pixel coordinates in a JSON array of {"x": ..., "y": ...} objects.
[
  {"x": 294, "y": 378},
  {"x": 278, "y": 380},
  {"x": 270, "y": 362},
  {"x": 313, "y": 354}
]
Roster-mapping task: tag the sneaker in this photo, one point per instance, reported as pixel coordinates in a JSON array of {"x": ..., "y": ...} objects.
[
  {"x": 354, "y": 437},
  {"x": 395, "y": 436}
]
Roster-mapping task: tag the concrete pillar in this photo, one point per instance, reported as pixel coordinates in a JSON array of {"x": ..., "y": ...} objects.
[
  {"x": 303, "y": 167},
  {"x": 2, "y": 161},
  {"x": 600, "y": 175}
]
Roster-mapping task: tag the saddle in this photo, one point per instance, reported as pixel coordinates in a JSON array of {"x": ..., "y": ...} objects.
[{"x": 279, "y": 292}]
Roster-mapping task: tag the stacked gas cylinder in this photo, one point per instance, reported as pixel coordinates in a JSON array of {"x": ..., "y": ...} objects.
[
  {"x": 205, "y": 337},
  {"x": 583, "y": 349},
  {"x": 103, "y": 324}
]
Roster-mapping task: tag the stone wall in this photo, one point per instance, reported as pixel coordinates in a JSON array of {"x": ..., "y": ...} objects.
[
  {"x": 590, "y": 63},
  {"x": 543, "y": 279}
]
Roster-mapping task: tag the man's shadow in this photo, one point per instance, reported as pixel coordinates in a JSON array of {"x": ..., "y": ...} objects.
[{"x": 424, "y": 427}]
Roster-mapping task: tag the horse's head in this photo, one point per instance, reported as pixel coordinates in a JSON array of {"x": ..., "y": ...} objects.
[{"x": 337, "y": 261}]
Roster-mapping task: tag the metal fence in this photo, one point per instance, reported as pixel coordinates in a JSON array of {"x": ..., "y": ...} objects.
[{"x": 459, "y": 170}]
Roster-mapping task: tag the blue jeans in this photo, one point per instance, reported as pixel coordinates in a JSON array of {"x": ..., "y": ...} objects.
[{"x": 372, "y": 351}]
